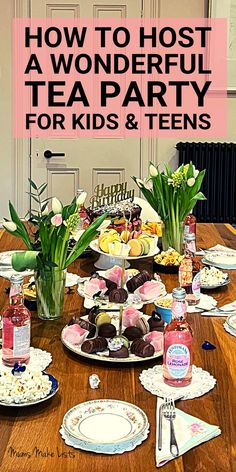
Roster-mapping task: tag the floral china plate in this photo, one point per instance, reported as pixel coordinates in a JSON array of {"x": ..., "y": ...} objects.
[{"x": 105, "y": 422}]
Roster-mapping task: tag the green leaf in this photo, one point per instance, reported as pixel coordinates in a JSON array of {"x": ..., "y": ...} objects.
[
  {"x": 24, "y": 260},
  {"x": 34, "y": 198},
  {"x": 32, "y": 184},
  {"x": 20, "y": 227},
  {"x": 42, "y": 188}
]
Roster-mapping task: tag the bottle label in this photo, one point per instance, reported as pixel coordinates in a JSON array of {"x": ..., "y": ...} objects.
[
  {"x": 21, "y": 340},
  {"x": 178, "y": 360},
  {"x": 190, "y": 229},
  {"x": 196, "y": 286},
  {"x": 178, "y": 309}
]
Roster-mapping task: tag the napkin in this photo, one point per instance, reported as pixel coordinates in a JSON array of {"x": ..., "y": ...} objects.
[
  {"x": 206, "y": 303},
  {"x": 7, "y": 273},
  {"x": 189, "y": 433}
]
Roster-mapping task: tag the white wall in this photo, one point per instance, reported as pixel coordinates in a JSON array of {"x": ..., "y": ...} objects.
[{"x": 7, "y": 183}]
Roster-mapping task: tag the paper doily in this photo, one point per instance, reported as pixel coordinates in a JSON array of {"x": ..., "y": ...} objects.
[
  {"x": 104, "y": 448},
  {"x": 229, "y": 330},
  {"x": 152, "y": 380},
  {"x": 38, "y": 359}
]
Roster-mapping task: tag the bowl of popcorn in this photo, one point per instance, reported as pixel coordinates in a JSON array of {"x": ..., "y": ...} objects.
[
  {"x": 163, "y": 307},
  {"x": 24, "y": 386},
  {"x": 168, "y": 261}
]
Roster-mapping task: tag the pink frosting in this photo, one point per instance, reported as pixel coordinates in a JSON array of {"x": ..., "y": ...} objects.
[
  {"x": 156, "y": 339},
  {"x": 130, "y": 316},
  {"x": 114, "y": 275},
  {"x": 93, "y": 286},
  {"x": 149, "y": 290},
  {"x": 74, "y": 334}
]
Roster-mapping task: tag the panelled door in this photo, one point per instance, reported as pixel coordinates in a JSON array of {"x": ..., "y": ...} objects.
[{"x": 86, "y": 162}]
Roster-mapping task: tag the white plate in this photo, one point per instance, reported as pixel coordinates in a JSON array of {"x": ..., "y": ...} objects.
[
  {"x": 104, "y": 356},
  {"x": 231, "y": 322},
  {"x": 105, "y": 422},
  {"x": 220, "y": 260},
  {"x": 54, "y": 390},
  {"x": 94, "y": 247},
  {"x": 5, "y": 257},
  {"x": 133, "y": 298},
  {"x": 211, "y": 287}
]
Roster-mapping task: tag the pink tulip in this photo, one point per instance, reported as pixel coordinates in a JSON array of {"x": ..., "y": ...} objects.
[{"x": 56, "y": 220}]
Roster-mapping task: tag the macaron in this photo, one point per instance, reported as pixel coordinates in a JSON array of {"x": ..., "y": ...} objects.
[
  {"x": 135, "y": 248},
  {"x": 143, "y": 325},
  {"x": 102, "y": 318}
]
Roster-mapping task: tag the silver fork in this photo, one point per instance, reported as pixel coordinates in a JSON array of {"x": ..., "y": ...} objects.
[{"x": 168, "y": 410}]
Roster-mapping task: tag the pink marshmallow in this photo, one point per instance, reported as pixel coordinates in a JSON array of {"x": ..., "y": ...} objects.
[
  {"x": 156, "y": 339},
  {"x": 75, "y": 335},
  {"x": 130, "y": 317},
  {"x": 149, "y": 290},
  {"x": 93, "y": 286},
  {"x": 114, "y": 274}
]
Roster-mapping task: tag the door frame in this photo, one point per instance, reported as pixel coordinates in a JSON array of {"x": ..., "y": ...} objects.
[{"x": 22, "y": 147}]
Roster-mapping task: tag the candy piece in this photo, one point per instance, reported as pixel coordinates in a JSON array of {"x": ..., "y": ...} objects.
[
  {"x": 156, "y": 339},
  {"x": 102, "y": 318},
  {"x": 143, "y": 325},
  {"x": 94, "y": 286},
  {"x": 75, "y": 335},
  {"x": 132, "y": 333},
  {"x": 94, "y": 381},
  {"x": 120, "y": 353},
  {"x": 138, "y": 280},
  {"x": 111, "y": 285},
  {"x": 117, "y": 342},
  {"x": 119, "y": 295},
  {"x": 93, "y": 313},
  {"x": 114, "y": 274},
  {"x": 142, "y": 348},
  {"x": 150, "y": 290},
  {"x": 107, "y": 330},
  {"x": 84, "y": 324},
  {"x": 91, "y": 346},
  {"x": 208, "y": 346},
  {"x": 117, "y": 248},
  {"x": 135, "y": 248},
  {"x": 155, "y": 322},
  {"x": 130, "y": 317}
]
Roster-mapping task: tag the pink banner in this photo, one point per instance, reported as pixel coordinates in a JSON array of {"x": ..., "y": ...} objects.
[{"x": 112, "y": 77}]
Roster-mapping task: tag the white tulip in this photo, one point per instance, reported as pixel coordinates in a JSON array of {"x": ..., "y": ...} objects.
[
  {"x": 195, "y": 172},
  {"x": 191, "y": 181},
  {"x": 10, "y": 226},
  {"x": 153, "y": 170},
  {"x": 140, "y": 183},
  {"x": 103, "y": 226},
  {"x": 81, "y": 199},
  {"x": 56, "y": 206}
]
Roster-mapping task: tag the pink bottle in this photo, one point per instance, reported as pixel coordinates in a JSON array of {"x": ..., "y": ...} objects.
[
  {"x": 178, "y": 337},
  {"x": 16, "y": 326}
]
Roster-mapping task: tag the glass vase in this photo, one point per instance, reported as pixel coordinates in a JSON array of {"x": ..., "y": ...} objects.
[
  {"x": 172, "y": 235},
  {"x": 50, "y": 287}
]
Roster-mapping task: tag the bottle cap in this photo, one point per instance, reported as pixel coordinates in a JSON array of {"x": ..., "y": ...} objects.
[
  {"x": 17, "y": 279},
  {"x": 179, "y": 293},
  {"x": 189, "y": 237}
]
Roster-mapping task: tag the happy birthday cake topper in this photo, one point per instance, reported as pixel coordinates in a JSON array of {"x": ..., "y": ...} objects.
[{"x": 110, "y": 194}]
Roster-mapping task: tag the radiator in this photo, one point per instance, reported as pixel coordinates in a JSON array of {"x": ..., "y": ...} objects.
[{"x": 219, "y": 160}]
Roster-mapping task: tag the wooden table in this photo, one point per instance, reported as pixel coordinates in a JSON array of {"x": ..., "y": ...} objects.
[{"x": 29, "y": 437}]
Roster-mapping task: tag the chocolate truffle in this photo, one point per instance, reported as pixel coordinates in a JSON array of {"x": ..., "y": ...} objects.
[
  {"x": 118, "y": 295},
  {"x": 93, "y": 313},
  {"x": 121, "y": 353},
  {"x": 156, "y": 323},
  {"x": 142, "y": 348},
  {"x": 138, "y": 280},
  {"x": 107, "y": 330},
  {"x": 132, "y": 333},
  {"x": 91, "y": 346}
]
